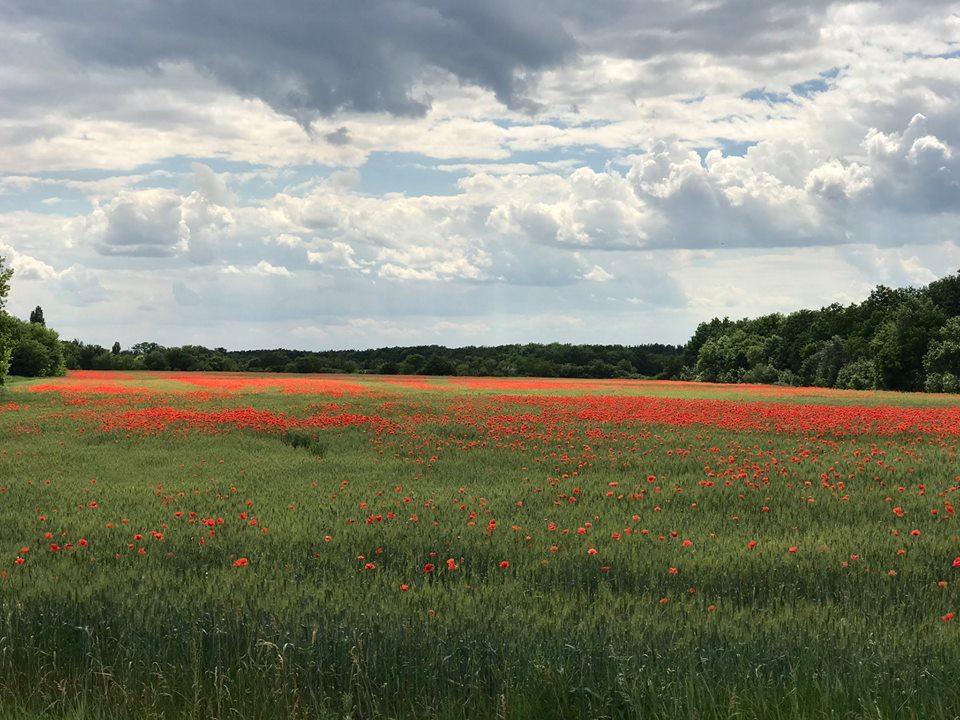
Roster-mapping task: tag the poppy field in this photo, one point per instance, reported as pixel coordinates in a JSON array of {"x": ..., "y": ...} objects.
[{"x": 203, "y": 545}]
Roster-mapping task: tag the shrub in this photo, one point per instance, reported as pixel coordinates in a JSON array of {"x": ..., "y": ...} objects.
[
  {"x": 29, "y": 358},
  {"x": 857, "y": 375}
]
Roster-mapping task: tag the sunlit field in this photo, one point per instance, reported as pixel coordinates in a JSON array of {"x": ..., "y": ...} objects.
[{"x": 267, "y": 546}]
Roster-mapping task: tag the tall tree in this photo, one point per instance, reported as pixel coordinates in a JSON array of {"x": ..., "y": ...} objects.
[
  {"x": 5, "y": 340},
  {"x": 5, "y": 275},
  {"x": 902, "y": 340},
  {"x": 115, "y": 350},
  {"x": 36, "y": 316}
]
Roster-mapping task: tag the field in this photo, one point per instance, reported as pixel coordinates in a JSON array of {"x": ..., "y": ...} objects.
[{"x": 261, "y": 546}]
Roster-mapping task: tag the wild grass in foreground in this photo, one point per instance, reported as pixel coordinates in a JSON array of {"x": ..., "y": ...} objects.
[{"x": 325, "y": 548}]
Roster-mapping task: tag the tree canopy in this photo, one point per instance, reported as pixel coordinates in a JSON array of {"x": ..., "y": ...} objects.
[{"x": 896, "y": 339}]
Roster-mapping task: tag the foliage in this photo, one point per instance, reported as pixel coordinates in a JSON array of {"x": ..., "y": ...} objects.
[
  {"x": 942, "y": 361},
  {"x": 857, "y": 375},
  {"x": 896, "y": 339},
  {"x": 532, "y": 360},
  {"x": 36, "y": 316},
  {"x": 5, "y": 339},
  {"x": 901, "y": 341},
  {"x": 35, "y": 350}
]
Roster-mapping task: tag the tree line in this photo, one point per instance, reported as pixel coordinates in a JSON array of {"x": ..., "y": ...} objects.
[
  {"x": 896, "y": 339},
  {"x": 531, "y": 360}
]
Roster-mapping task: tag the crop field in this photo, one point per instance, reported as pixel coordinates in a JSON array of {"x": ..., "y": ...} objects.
[{"x": 267, "y": 546}]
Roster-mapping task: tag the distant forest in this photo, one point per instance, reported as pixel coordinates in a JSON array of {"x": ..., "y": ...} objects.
[
  {"x": 553, "y": 360},
  {"x": 896, "y": 339}
]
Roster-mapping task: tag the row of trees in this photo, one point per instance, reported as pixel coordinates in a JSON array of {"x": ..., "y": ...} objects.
[
  {"x": 896, "y": 339},
  {"x": 553, "y": 360}
]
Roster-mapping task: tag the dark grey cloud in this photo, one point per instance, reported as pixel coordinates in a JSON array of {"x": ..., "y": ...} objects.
[
  {"x": 315, "y": 57},
  {"x": 724, "y": 27},
  {"x": 311, "y": 58}
]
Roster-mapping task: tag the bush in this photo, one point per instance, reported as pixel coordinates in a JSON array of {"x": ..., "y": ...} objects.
[
  {"x": 34, "y": 351},
  {"x": 857, "y": 375},
  {"x": 156, "y": 360},
  {"x": 29, "y": 358},
  {"x": 788, "y": 377},
  {"x": 761, "y": 374},
  {"x": 942, "y": 382}
]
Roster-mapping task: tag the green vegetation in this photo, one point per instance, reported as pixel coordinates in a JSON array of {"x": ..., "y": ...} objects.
[
  {"x": 896, "y": 339},
  {"x": 531, "y": 360},
  {"x": 26, "y": 348}
]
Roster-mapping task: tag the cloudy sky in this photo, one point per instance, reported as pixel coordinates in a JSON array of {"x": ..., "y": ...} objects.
[{"x": 327, "y": 174}]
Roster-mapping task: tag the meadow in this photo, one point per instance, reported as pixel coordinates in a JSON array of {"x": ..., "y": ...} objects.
[{"x": 267, "y": 546}]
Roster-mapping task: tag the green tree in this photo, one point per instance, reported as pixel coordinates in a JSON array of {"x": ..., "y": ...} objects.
[
  {"x": 901, "y": 342},
  {"x": 704, "y": 332},
  {"x": 5, "y": 346},
  {"x": 29, "y": 358},
  {"x": 822, "y": 365},
  {"x": 36, "y": 316},
  {"x": 308, "y": 364},
  {"x": 945, "y": 293},
  {"x": 388, "y": 368},
  {"x": 412, "y": 364},
  {"x": 727, "y": 356},
  {"x": 143, "y": 348},
  {"x": 115, "y": 350},
  {"x": 35, "y": 350},
  {"x": 857, "y": 375},
  {"x": 156, "y": 360},
  {"x": 437, "y": 364},
  {"x": 942, "y": 361}
]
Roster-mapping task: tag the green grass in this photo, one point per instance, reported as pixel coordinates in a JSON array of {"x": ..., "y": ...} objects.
[{"x": 304, "y": 631}]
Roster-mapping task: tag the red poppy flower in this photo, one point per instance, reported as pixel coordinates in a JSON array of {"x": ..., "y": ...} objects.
[
  {"x": 504, "y": 564},
  {"x": 241, "y": 562}
]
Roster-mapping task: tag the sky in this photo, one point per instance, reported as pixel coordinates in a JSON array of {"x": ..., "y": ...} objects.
[{"x": 319, "y": 174}]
